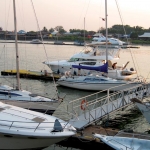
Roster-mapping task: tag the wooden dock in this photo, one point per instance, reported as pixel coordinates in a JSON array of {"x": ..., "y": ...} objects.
[
  {"x": 84, "y": 139},
  {"x": 42, "y": 75}
]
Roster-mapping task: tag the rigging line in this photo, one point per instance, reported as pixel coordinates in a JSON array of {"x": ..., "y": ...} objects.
[
  {"x": 87, "y": 8},
  {"x": 44, "y": 46},
  {"x": 23, "y": 24},
  {"x": 125, "y": 31}
]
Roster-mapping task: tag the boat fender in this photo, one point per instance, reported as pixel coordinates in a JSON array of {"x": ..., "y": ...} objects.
[{"x": 84, "y": 104}]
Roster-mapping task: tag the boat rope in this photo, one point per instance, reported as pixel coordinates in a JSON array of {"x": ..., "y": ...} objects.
[
  {"x": 125, "y": 32},
  {"x": 44, "y": 46}
]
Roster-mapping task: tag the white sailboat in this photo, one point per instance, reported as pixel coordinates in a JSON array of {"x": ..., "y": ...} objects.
[
  {"x": 23, "y": 98},
  {"x": 95, "y": 82},
  {"x": 144, "y": 107},
  {"x": 26, "y": 129},
  {"x": 131, "y": 142}
]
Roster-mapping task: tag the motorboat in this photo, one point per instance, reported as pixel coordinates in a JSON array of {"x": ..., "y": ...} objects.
[
  {"x": 59, "y": 43},
  {"x": 36, "y": 41},
  {"x": 113, "y": 41},
  {"x": 94, "y": 82},
  {"x": 79, "y": 43},
  {"x": 26, "y": 129},
  {"x": 93, "y": 56},
  {"x": 128, "y": 141},
  {"x": 144, "y": 107},
  {"x": 28, "y": 100}
]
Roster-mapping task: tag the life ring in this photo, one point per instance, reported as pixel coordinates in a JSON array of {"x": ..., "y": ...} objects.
[{"x": 84, "y": 104}]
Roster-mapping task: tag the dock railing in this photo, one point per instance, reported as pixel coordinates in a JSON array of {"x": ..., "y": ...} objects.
[{"x": 93, "y": 107}]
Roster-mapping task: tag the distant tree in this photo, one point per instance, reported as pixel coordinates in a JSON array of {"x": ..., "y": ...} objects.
[
  {"x": 51, "y": 30},
  {"x": 133, "y": 35},
  {"x": 60, "y": 29},
  {"x": 44, "y": 29},
  {"x": 91, "y": 32}
]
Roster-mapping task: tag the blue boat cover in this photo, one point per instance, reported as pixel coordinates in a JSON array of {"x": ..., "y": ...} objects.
[{"x": 103, "y": 68}]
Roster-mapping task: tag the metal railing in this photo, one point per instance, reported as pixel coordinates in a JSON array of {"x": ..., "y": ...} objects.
[
  {"x": 98, "y": 105},
  {"x": 31, "y": 125}
]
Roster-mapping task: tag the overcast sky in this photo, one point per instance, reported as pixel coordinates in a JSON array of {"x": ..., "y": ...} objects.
[{"x": 70, "y": 13}]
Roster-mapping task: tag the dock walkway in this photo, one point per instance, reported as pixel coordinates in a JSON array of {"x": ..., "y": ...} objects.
[
  {"x": 43, "y": 75},
  {"x": 89, "y": 109}
]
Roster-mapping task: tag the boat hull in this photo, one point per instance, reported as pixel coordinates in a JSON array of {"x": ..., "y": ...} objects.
[
  {"x": 125, "y": 143},
  {"x": 115, "y": 74},
  {"x": 96, "y": 86},
  {"x": 145, "y": 110},
  {"x": 44, "y": 107},
  {"x": 24, "y": 142}
]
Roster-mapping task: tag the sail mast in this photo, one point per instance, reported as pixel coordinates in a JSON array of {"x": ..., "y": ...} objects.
[
  {"x": 16, "y": 45},
  {"x": 106, "y": 31},
  {"x": 84, "y": 31}
]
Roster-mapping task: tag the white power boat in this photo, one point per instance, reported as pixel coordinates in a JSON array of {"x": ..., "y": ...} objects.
[
  {"x": 94, "y": 83},
  {"x": 144, "y": 107},
  {"x": 26, "y": 99},
  {"x": 132, "y": 142},
  {"x": 112, "y": 41},
  {"x": 25, "y": 129},
  {"x": 36, "y": 41},
  {"x": 93, "y": 57}
]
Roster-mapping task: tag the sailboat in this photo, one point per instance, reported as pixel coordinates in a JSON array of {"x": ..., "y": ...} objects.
[
  {"x": 95, "y": 82},
  {"x": 126, "y": 141},
  {"x": 25, "y": 129},
  {"x": 144, "y": 107},
  {"x": 22, "y": 98}
]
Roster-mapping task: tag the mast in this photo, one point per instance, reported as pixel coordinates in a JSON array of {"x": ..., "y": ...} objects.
[
  {"x": 84, "y": 31},
  {"x": 106, "y": 31},
  {"x": 16, "y": 45}
]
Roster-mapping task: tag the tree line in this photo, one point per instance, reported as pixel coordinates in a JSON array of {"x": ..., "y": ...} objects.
[{"x": 115, "y": 29}]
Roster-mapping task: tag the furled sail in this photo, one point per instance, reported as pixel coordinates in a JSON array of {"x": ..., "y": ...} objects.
[{"x": 103, "y": 68}]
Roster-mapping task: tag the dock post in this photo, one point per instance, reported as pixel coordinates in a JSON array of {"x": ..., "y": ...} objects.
[{"x": 107, "y": 104}]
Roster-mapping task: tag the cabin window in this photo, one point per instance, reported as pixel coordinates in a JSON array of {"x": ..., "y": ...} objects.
[
  {"x": 73, "y": 59},
  {"x": 88, "y": 63}
]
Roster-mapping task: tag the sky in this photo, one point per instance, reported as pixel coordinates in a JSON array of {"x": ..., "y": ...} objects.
[{"x": 71, "y": 13}]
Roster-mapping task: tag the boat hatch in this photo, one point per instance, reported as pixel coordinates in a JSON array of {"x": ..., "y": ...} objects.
[
  {"x": 37, "y": 119},
  {"x": 93, "y": 79},
  {"x": 33, "y": 95}
]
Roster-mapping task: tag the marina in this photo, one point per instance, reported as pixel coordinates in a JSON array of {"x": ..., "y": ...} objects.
[
  {"x": 70, "y": 94},
  {"x": 48, "y": 97}
]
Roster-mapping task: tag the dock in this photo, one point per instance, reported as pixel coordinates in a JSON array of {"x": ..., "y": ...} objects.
[
  {"x": 84, "y": 139},
  {"x": 42, "y": 75},
  {"x": 100, "y": 115}
]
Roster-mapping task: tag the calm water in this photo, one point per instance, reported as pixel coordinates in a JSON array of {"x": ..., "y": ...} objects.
[{"x": 32, "y": 56}]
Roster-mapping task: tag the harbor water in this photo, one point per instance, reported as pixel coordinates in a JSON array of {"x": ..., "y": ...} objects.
[{"x": 32, "y": 57}]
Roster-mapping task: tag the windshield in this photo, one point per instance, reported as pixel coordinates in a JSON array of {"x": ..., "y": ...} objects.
[{"x": 80, "y": 59}]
